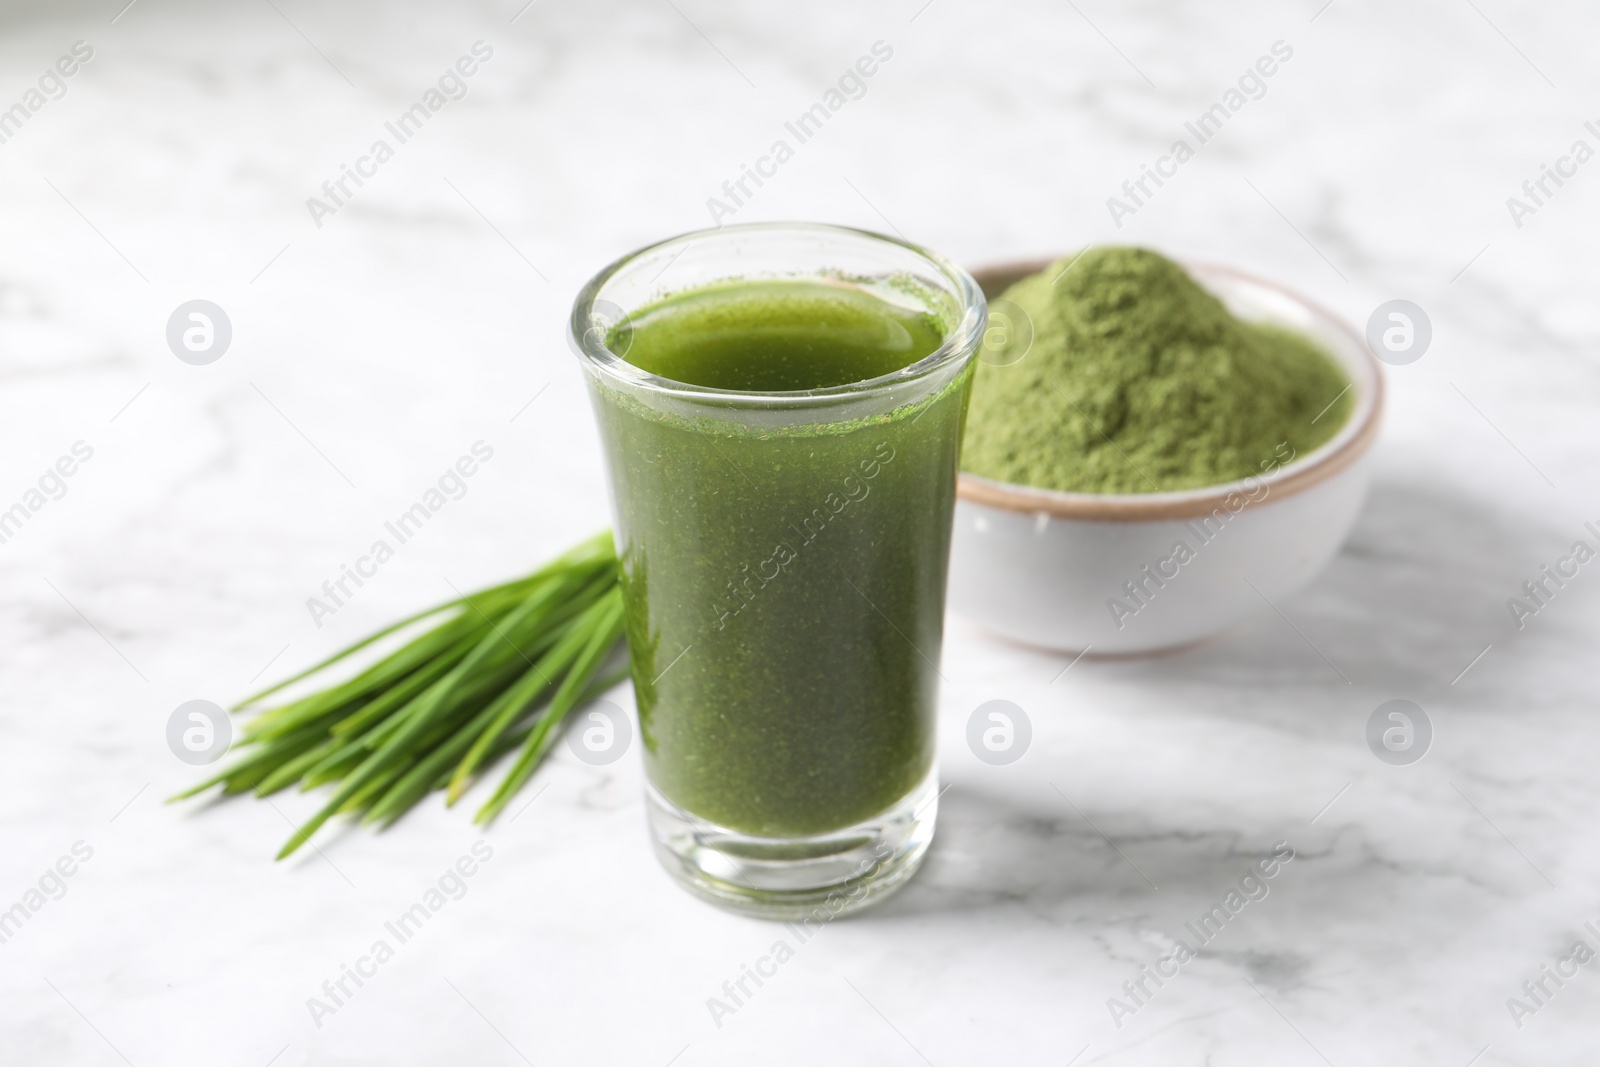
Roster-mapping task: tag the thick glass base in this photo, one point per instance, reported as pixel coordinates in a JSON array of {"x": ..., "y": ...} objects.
[{"x": 819, "y": 877}]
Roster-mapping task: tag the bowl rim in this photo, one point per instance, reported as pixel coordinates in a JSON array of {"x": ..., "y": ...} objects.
[{"x": 1352, "y": 441}]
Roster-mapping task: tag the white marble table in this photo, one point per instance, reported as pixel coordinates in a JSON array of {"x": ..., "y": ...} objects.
[{"x": 425, "y": 314}]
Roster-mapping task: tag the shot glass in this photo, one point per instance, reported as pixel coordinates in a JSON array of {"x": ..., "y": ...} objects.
[{"x": 784, "y": 558}]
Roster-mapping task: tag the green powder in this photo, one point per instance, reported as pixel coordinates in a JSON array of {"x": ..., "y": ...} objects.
[{"x": 1138, "y": 380}]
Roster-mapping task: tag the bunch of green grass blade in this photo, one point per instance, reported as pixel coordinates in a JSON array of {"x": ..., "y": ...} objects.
[{"x": 499, "y": 669}]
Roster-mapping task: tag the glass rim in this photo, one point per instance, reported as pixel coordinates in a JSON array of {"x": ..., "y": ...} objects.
[{"x": 960, "y": 343}]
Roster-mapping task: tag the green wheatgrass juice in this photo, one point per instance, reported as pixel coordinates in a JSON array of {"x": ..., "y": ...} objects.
[{"x": 784, "y": 577}]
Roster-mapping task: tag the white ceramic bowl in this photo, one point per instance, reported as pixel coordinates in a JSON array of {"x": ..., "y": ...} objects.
[{"x": 1050, "y": 569}]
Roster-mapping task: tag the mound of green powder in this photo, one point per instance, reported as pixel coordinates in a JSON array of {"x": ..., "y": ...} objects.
[{"x": 1137, "y": 380}]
